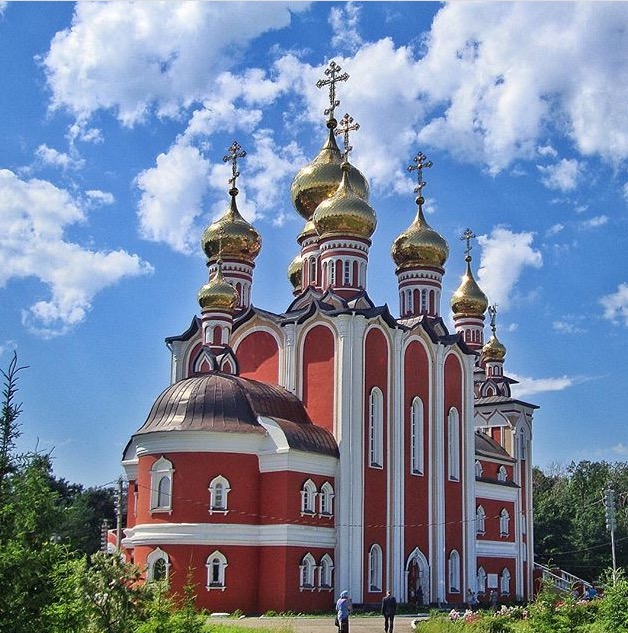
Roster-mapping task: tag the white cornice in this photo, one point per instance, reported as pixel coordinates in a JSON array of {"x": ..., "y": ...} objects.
[
  {"x": 495, "y": 491},
  {"x": 496, "y": 548}
]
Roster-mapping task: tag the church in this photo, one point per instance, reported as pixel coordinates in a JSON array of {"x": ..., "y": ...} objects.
[{"x": 334, "y": 444}]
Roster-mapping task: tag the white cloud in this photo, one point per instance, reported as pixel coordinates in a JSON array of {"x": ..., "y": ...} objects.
[
  {"x": 620, "y": 449},
  {"x": 172, "y": 195},
  {"x": 546, "y": 150},
  {"x": 562, "y": 175},
  {"x": 568, "y": 325},
  {"x": 344, "y": 22},
  {"x": 626, "y": 192},
  {"x": 616, "y": 305},
  {"x": 54, "y": 158},
  {"x": 100, "y": 197},
  {"x": 33, "y": 218},
  {"x": 530, "y": 386},
  {"x": 555, "y": 229},
  {"x": 595, "y": 222},
  {"x": 505, "y": 256},
  {"x": 136, "y": 57}
]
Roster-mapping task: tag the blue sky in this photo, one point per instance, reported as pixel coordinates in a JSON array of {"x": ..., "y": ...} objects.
[{"x": 115, "y": 119}]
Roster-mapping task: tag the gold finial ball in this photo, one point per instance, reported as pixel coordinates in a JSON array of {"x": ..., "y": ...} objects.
[
  {"x": 218, "y": 294},
  {"x": 320, "y": 179},
  {"x": 494, "y": 350},
  {"x": 419, "y": 245},
  {"x": 231, "y": 237},
  {"x": 295, "y": 271},
  {"x": 469, "y": 300}
]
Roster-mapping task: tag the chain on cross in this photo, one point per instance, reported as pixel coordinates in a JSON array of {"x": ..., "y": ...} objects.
[
  {"x": 420, "y": 163},
  {"x": 333, "y": 72},
  {"x": 345, "y": 126},
  {"x": 235, "y": 151},
  {"x": 468, "y": 235}
]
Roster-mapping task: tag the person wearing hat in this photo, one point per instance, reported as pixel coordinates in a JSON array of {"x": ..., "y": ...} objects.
[{"x": 343, "y": 609}]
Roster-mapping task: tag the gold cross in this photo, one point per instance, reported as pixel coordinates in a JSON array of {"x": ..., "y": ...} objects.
[
  {"x": 234, "y": 152},
  {"x": 420, "y": 164},
  {"x": 346, "y": 125},
  {"x": 332, "y": 71},
  {"x": 468, "y": 235}
]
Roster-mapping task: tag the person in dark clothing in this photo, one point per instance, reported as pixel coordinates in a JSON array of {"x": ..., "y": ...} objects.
[{"x": 389, "y": 608}]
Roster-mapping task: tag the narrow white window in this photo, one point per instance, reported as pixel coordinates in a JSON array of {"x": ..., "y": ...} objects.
[
  {"x": 218, "y": 492},
  {"x": 453, "y": 445},
  {"x": 216, "y": 565},
  {"x": 326, "y": 572},
  {"x": 306, "y": 572},
  {"x": 409, "y": 295},
  {"x": 332, "y": 273},
  {"x": 161, "y": 485},
  {"x": 504, "y": 522},
  {"x": 157, "y": 565},
  {"x": 375, "y": 568},
  {"x": 454, "y": 572},
  {"x": 478, "y": 469},
  {"x": 423, "y": 300},
  {"x": 504, "y": 582},
  {"x": 502, "y": 474},
  {"x": 480, "y": 520},
  {"x": 416, "y": 425},
  {"x": 308, "y": 497},
  {"x": 327, "y": 499},
  {"x": 481, "y": 578},
  {"x": 347, "y": 273},
  {"x": 312, "y": 271},
  {"x": 376, "y": 428}
]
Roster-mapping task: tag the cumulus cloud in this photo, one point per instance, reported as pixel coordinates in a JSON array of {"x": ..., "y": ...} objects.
[
  {"x": 54, "y": 158},
  {"x": 344, "y": 22},
  {"x": 33, "y": 217},
  {"x": 530, "y": 386},
  {"x": 562, "y": 175},
  {"x": 505, "y": 256},
  {"x": 616, "y": 305},
  {"x": 100, "y": 197}
]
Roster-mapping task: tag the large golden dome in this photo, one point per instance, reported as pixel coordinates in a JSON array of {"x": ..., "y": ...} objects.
[
  {"x": 231, "y": 236},
  {"x": 469, "y": 300},
  {"x": 218, "y": 294},
  {"x": 494, "y": 350},
  {"x": 345, "y": 212},
  {"x": 295, "y": 272},
  {"x": 320, "y": 179},
  {"x": 419, "y": 245}
]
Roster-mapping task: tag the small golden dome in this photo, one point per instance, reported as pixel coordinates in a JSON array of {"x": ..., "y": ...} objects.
[
  {"x": 345, "y": 212},
  {"x": 218, "y": 294},
  {"x": 231, "y": 236},
  {"x": 320, "y": 179},
  {"x": 309, "y": 230},
  {"x": 419, "y": 245},
  {"x": 295, "y": 271},
  {"x": 469, "y": 300},
  {"x": 494, "y": 350}
]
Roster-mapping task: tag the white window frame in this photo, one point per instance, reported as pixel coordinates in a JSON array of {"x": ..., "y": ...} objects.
[
  {"x": 326, "y": 574},
  {"x": 312, "y": 279},
  {"x": 346, "y": 270},
  {"x": 376, "y": 428},
  {"x": 504, "y": 523},
  {"x": 218, "y": 495},
  {"x": 307, "y": 570},
  {"x": 152, "y": 559},
  {"x": 326, "y": 500},
  {"x": 161, "y": 474},
  {"x": 331, "y": 273},
  {"x": 308, "y": 498},
  {"x": 417, "y": 447},
  {"x": 453, "y": 445},
  {"x": 481, "y": 580},
  {"x": 454, "y": 571},
  {"x": 504, "y": 582},
  {"x": 480, "y": 520},
  {"x": 216, "y": 561},
  {"x": 375, "y": 569},
  {"x": 479, "y": 470},
  {"x": 502, "y": 474}
]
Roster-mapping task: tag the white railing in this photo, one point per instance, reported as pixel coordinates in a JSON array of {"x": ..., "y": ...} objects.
[{"x": 561, "y": 579}]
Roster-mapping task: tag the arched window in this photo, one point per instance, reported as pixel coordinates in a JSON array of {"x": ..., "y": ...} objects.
[
  {"x": 424, "y": 300},
  {"x": 454, "y": 572},
  {"x": 504, "y": 582},
  {"x": 376, "y": 428},
  {"x": 375, "y": 568},
  {"x": 216, "y": 565},
  {"x": 306, "y": 568},
  {"x": 478, "y": 469},
  {"x": 481, "y": 578},
  {"x": 327, "y": 499},
  {"x": 326, "y": 571},
  {"x": 308, "y": 498},
  {"x": 157, "y": 565},
  {"x": 480, "y": 520},
  {"x": 218, "y": 492},
  {"x": 161, "y": 485},
  {"x": 347, "y": 273},
  {"x": 312, "y": 271},
  {"x": 504, "y": 522},
  {"x": 416, "y": 424},
  {"x": 502, "y": 474},
  {"x": 409, "y": 302},
  {"x": 331, "y": 271},
  {"x": 453, "y": 445}
]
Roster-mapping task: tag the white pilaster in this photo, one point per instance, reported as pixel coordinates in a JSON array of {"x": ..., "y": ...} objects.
[
  {"x": 437, "y": 475},
  {"x": 468, "y": 456}
]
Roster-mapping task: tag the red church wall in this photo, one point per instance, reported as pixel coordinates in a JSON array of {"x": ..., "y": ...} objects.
[
  {"x": 490, "y": 470},
  {"x": 258, "y": 357},
  {"x": 375, "y": 375},
  {"x": 493, "y": 508},
  {"x": 453, "y": 489},
  {"x": 318, "y": 376},
  {"x": 497, "y": 566},
  {"x": 416, "y": 383}
]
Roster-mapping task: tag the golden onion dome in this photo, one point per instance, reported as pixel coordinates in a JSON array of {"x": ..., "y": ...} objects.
[
  {"x": 231, "y": 236},
  {"x": 469, "y": 300},
  {"x": 295, "y": 272},
  {"x": 320, "y": 179},
  {"x": 309, "y": 230},
  {"x": 345, "y": 212},
  {"x": 494, "y": 350},
  {"x": 419, "y": 245},
  {"x": 218, "y": 294}
]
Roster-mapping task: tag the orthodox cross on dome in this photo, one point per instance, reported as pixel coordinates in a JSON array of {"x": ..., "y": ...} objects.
[
  {"x": 492, "y": 310},
  {"x": 333, "y": 72},
  {"x": 420, "y": 163},
  {"x": 235, "y": 151},
  {"x": 468, "y": 235},
  {"x": 346, "y": 126}
]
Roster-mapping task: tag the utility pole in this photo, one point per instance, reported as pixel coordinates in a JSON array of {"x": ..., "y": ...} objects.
[
  {"x": 118, "y": 499},
  {"x": 611, "y": 522},
  {"x": 104, "y": 529}
]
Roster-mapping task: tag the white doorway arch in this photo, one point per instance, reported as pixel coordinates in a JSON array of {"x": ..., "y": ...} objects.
[{"x": 417, "y": 577}]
